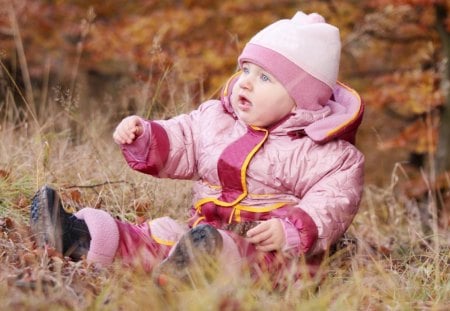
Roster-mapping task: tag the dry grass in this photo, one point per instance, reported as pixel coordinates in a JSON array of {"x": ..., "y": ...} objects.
[{"x": 397, "y": 264}]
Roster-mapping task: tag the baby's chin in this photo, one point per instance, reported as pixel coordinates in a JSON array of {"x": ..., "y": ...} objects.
[{"x": 246, "y": 120}]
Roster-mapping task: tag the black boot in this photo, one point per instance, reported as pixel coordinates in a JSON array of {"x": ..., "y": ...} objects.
[
  {"x": 52, "y": 226},
  {"x": 194, "y": 253}
]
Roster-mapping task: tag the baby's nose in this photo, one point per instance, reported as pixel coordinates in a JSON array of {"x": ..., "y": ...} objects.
[{"x": 245, "y": 83}]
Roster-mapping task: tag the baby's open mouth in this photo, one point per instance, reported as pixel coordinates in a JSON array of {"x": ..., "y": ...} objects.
[{"x": 244, "y": 103}]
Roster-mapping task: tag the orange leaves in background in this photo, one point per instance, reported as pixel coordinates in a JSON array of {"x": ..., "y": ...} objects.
[
  {"x": 418, "y": 137},
  {"x": 380, "y": 3},
  {"x": 390, "y": 47},
  {"x": 407, "y": 94},
  {"x": 415, "y": 97},
  {"x": 138, "y": 39}
]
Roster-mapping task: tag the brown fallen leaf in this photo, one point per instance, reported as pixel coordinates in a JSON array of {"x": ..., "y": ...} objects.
[
  {"x": 141, "y": 207},
  {"x": 4, "y": 174}
]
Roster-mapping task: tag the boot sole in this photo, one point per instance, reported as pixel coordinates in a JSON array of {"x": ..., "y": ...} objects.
[
  {"x": 198, "y": 243},
  {"x": 44, "y": 212}
]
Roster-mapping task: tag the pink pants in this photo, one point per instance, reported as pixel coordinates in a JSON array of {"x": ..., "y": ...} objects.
[{"x": 147, "y": 244}]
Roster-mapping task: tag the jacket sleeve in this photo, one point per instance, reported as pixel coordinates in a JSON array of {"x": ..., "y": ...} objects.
[
  {"x": 330, "y": 201},
  {"x": 149, "y": 152},
  {"x": 167, "y": 147}
]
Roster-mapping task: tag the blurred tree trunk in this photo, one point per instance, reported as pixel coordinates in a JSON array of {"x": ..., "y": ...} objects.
[{"x": 443, "y": 149}]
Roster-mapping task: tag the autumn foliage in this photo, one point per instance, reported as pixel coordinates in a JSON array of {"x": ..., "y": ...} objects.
[{"x": 392, "y": 47}]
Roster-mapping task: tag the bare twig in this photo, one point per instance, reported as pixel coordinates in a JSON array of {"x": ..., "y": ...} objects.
[
  {"x": 98, "y": 185},
  {"x": 22, "y": 59},
  {"x": 85, "y": 28},
  {"x": 93, "y": 186},
  {"x": 29, "y": 108}
]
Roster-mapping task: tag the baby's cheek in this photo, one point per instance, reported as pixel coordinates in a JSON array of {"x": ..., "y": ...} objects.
[{"x": 234, "y": 98}]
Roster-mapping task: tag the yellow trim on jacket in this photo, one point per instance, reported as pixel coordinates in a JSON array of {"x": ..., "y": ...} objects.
[
  {"x": 162, "y": 241},
  {"x": 243, "y": 177}
]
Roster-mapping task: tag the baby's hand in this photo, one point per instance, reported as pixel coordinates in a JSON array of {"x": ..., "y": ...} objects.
[
  {"x": 267, "y": 236},
  {"x": 128, "y": 130}
]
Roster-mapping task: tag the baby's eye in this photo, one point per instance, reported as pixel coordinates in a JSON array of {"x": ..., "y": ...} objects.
[
  {"x": 245, "y": 70},
  {"x": 264, "y": 77}
]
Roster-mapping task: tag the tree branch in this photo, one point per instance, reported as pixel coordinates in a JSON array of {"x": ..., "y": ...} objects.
[
  {"x": 443, "y": 149},
  {"x": 393, "y": 38}
]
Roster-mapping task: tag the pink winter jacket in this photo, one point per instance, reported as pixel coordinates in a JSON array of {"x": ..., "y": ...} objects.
[{"x": 304, "y": 170}]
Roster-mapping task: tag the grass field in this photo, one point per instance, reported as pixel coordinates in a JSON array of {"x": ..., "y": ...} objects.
[{"x": 400, "y": 260}]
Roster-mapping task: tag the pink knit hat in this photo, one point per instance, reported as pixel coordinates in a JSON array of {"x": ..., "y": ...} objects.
[{"x": 302, "y": 53}]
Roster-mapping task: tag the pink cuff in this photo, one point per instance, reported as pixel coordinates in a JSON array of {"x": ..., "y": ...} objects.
[
  {"x": 150, "y": 151},
  {"x": 138, "y": 149},
  {"x": 104, "y": 235},
  {"x": 292, "y": 237}
]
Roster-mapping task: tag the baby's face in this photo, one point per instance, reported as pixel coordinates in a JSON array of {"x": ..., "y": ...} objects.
[{"x": 258, "y": 98}]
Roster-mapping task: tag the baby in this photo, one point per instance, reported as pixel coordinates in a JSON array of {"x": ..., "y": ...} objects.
[{"x": 277, "y": 176}]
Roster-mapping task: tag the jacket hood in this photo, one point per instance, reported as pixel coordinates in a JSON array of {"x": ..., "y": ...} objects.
[{"x": 338, "y": 119}]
